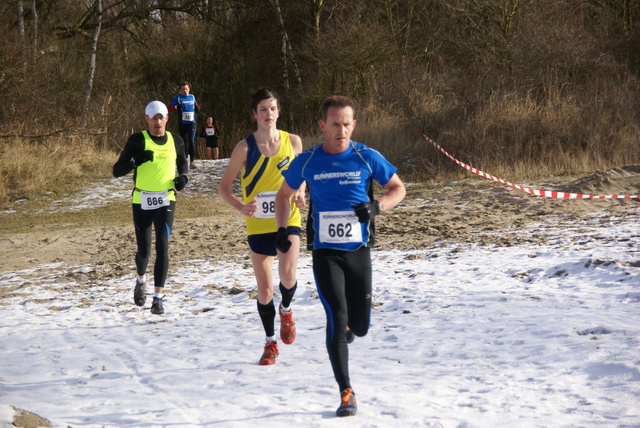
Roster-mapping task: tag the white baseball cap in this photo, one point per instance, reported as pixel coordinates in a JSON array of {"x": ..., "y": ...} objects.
[{"x": 156, "y": 107}]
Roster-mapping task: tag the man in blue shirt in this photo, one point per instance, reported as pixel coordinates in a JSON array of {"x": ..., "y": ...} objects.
[
  {"x": 339, "y": 174},
  {"x": 187, "y": 107}
]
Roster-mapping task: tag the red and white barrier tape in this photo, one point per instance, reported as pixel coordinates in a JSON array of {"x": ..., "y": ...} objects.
[{"x": 547, "y": 193}]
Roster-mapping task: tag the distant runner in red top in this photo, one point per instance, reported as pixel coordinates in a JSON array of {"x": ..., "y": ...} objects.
[{"x": 211, "y": 133}]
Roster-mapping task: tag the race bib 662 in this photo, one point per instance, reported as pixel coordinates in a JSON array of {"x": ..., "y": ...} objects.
[{"x": 339, "y": 227}]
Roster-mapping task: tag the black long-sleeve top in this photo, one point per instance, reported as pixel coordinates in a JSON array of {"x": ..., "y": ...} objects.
[{"x": 135, "y": 146}]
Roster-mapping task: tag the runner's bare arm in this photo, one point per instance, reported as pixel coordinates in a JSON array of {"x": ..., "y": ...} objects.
[
  {"x": 296, "y": 144},
  {"x": 394, "y": 195},
  {"x": 236, "y": 162},
  {"x": 283, "y": 204}
]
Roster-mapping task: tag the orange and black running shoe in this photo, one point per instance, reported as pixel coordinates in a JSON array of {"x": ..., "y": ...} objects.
[{"x": 348, "y": 405}]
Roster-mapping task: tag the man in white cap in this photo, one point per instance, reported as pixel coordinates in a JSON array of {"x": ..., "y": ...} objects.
[{"x": 153, "y": 156}]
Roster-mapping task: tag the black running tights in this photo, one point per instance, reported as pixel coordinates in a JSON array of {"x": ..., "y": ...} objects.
[
  {"x": 162, "y": 220},
  {"x": 343, "y": 279}
]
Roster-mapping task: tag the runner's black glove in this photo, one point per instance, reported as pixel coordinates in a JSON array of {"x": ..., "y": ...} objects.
[
  {"x": 180, "y": 181},
  {"x": 282, "y": 240},
  {"x": 366, "y": 212},
  {"x": 143, "y": 157}
]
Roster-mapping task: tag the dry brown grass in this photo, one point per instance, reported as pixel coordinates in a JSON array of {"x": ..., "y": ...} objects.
[
  {"x": 56, "y": 165},
  {"x": 513, "y": 134}
]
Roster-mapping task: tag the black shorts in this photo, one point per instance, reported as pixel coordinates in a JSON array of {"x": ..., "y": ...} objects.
[
  {"x": 265, "y": 243},
  {"x": 212, "y": 142}
]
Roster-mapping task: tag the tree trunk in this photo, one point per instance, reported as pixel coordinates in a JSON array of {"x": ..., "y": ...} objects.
[
  {"x": 286, "y": 50},
  {"x": 92, "y": 62},
  {"x": 21, "y": 36},
  {"x": 34, "y": 11},
  {"x": 316, "y": 10}
]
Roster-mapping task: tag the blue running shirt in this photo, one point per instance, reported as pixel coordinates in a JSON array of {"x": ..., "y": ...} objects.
[
  {"x": 336, "y": 183},
  {"x": 186, "y": 106}
]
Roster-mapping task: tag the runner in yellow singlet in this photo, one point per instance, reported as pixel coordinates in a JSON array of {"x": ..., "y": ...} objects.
[
  {"x": 154, "y": 156},
  {"x": 259, "y": 159}
]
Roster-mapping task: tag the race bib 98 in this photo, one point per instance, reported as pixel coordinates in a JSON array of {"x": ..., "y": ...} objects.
[
  {"x": 339, "y": 227},
  {"x": 187, "y": 116},
  {"x": 266, "y": 205},
  {"x": 154, "y": 200}
]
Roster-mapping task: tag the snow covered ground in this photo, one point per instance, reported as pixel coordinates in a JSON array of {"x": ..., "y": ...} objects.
[{"x": 461, "y": 336}]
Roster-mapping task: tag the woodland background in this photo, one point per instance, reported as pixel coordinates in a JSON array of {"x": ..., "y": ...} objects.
[{"x": 517, "y": 88}]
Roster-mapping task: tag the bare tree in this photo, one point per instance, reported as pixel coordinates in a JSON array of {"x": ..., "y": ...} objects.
[
  {"x": 316, "y": 7},
  {"x": 286, "y": 50},
  {"x": 92, "y": 61},
  {"x": 34, "y": 12},
  {"x": 619, "y": 16},
  {"x": 400, "y": 17},
  {"x": 21, "y": 36}
]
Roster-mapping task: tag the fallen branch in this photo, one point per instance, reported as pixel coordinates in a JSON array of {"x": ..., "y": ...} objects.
[{"x": 65, "y": 131}]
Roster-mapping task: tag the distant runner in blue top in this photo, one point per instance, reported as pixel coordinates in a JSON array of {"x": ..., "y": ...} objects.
[
  {"x": 339, "y": 174},
  {"x": 187, "y": 107}
]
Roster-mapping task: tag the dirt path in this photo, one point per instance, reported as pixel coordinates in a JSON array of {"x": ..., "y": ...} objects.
[{"x": 473, "y": 210}]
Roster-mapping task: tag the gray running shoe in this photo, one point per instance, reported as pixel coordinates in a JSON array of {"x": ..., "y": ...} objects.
[
  {"x": 156, "y": 306},
  {"x": 139, "y": 293},
  {"x": 350, "y": 335}
]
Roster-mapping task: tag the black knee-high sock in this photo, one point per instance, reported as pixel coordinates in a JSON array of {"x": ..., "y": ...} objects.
[
  {"x": 268, "y": 315},
  {"x": 287, "y": 294}
]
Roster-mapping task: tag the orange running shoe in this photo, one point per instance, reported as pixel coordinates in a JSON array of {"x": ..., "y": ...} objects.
[
  {"x": 348, "y": 405},
  {"x": 287, "y": 327},
  {"x": 270, "y": 353}
]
